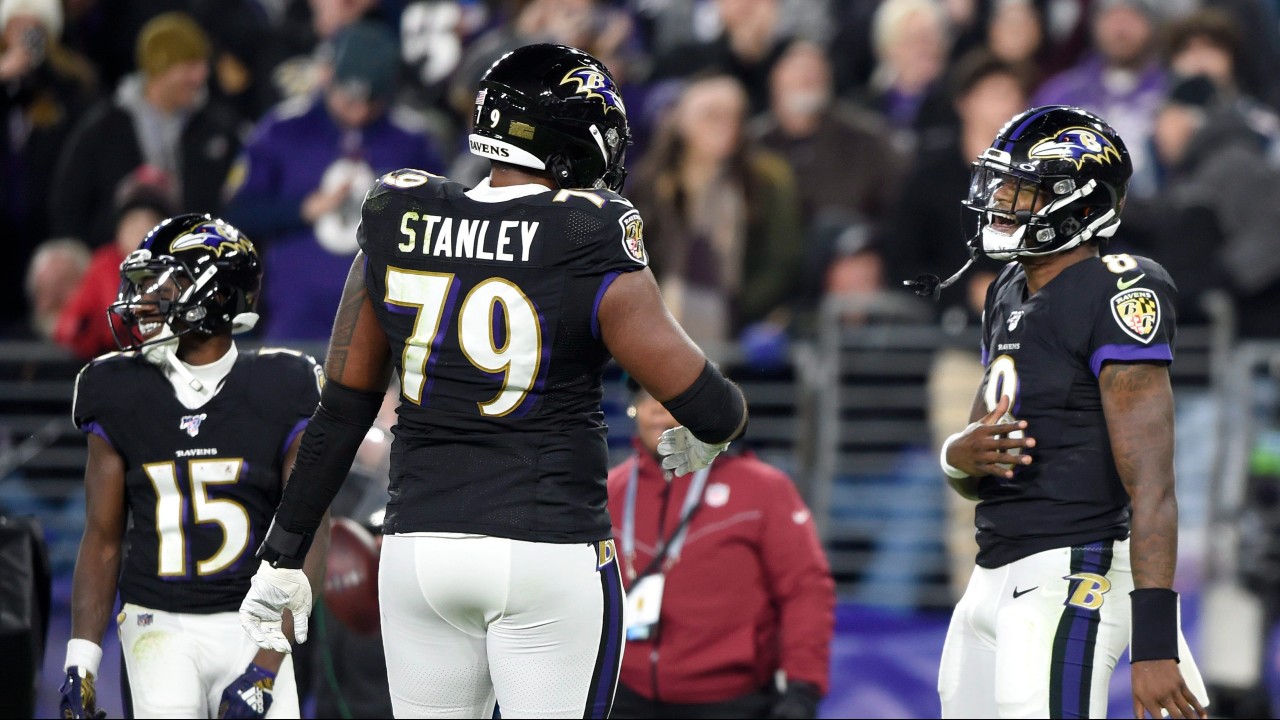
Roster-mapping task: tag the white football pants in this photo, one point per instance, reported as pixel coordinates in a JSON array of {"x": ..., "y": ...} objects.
[
  {"x": 467, "y": 619},
  {"x": 1039, "y": 637},
  {"x": 179, "y": 663}
]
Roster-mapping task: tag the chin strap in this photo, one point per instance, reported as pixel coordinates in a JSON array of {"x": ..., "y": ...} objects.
[
  {"x": 181, "y": 371},
  {"x": 162, "y": 345},
  {"x": 162, "y": 355},
  {"x": 929, "y": 285}
]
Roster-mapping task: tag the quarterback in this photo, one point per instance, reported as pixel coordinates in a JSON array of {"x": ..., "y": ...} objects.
[{"x": 1070, "y": 449}]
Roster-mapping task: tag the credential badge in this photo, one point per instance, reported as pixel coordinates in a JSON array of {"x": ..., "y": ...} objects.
[{"x": 717, "y": 495}]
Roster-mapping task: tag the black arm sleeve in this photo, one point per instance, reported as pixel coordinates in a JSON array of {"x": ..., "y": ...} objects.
[
  {"x": 712, "y": 408},
  {"x": 328, "y": 446}
]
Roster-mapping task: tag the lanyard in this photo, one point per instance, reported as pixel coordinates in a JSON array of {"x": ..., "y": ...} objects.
[{"x": 668, "y": 552}]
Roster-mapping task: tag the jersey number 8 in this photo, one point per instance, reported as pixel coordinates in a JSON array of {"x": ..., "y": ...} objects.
[{"x": 517, "y": 358}]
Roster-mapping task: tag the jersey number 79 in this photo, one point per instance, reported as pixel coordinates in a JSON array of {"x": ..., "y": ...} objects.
[{"x": 430, "y": 295}]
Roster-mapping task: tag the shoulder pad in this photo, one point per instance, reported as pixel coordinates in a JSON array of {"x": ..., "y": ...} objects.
[
  {"x": 606, "y": 200},
  {"x": 412, "y": 182},
  {"x": 616, "y": 226},
  {"x": 285, "y": 359},
  {"x": 1129, "y": 270},
  {"x": 284, "y": 353},
  {"x": 291, "y": 372},
  {"x": 1155, "y": 270},
  {"x": 99, "y": 383},
  {"x": 410, "y": 178}
]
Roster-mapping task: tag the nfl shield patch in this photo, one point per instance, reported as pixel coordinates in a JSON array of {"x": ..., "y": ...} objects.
[
  {"x": 1138, "y": 313},
  {"x": 633, "y": 236},
  {"x": 145, "y": 619},
  {"x": 191, "y": 423}
]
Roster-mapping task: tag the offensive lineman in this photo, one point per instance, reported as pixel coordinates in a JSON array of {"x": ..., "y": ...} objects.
[
  {"x": 192, "y": 440},
  {"x": 1078, "y": 541},
  {"x": 499, "y": 307}
]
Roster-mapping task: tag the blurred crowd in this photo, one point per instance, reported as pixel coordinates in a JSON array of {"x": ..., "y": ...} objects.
[{"x": 786, "y": 151}]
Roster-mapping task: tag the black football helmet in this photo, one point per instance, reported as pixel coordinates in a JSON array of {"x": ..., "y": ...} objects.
[
  {"x": 1055, "y": 177},
  {"x": 192, "y": 273},
  {"x": 554, "y": 108}
]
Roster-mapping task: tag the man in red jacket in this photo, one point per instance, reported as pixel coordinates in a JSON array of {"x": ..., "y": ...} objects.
[{"x": 726, "y": 583}]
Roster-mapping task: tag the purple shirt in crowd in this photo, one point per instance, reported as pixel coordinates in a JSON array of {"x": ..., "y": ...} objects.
[
  {"x": 284, "y": 162},
  {"x": 1126, "y": 100}
]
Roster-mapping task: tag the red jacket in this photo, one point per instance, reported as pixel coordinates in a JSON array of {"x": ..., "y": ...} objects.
[
  {"x": 751, "y": 593},
  {"x": 82, "y": 325}
]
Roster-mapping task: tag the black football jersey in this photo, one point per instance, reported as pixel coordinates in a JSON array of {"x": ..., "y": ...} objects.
[
  {"x": 1045, "y": 352},
  {"x": 201, "y": 485},
  {"x": 489, "y": 303}
]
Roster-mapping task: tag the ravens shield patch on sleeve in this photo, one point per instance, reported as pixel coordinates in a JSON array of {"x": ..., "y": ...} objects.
[
  {"x": 633, "y": 236},
  {"x": 1138, "y": 313}
]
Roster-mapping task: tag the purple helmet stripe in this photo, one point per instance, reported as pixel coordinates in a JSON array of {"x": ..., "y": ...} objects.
[{"x": 1017, "y": 132}]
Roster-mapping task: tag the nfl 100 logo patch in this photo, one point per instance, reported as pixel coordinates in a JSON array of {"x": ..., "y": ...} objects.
[
  {"x": 1137, "y": 311},
  {"x": 191, "y": 423}
]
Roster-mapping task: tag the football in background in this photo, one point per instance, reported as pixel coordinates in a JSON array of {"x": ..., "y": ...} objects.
[{"x": 351, "y": 577}]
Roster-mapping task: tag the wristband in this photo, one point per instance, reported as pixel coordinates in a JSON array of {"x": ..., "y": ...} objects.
[
  {"x": 712, "y": 408},
  {"x": 285, "y": 549},
  {"x": 261, "y": 673},
  {"x": 951, "y": 471},
  {"x": 1155, "y": 625},
  {"x": 84, "y": 654}
]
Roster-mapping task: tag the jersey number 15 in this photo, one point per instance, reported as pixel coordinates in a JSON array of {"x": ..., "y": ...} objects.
[{"x": 170, "y": 510}]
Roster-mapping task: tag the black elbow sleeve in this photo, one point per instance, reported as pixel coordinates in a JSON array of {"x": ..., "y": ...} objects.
[
  {"x": 713, "y": 408},
  {"x": 328, "y": 446}
]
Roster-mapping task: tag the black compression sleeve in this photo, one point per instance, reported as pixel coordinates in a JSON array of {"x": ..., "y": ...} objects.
[
  {"x": 328, "y": 446},
  {"x": 712, "y": 408}
]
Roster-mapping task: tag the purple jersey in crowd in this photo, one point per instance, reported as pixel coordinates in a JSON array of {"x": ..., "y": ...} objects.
[{"x": 286, "y": 159}]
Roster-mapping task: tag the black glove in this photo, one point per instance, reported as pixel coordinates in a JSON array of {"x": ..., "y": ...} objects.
[
  {"x": 798, "y": 702},
  {"x": 78, "y": 697}
]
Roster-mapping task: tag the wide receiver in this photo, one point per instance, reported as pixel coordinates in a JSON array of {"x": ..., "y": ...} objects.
[
  {"x": 499, "y": 307},
  {"x": 1070, "y": 449},
  {"x": 190, "y": 440}
]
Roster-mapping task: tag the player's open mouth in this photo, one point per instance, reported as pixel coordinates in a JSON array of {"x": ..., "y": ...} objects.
[
  {"x": 1002, "y": 223},
  {"x": 149, "y": 327}
]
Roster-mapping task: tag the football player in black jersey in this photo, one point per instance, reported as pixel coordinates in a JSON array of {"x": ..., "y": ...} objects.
[
  {"x": 498, "y": 307},
  {"x": 190, "y": 442},
  {"x": 1070, "y": 448}
]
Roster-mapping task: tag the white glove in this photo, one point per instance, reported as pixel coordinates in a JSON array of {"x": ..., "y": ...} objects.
[
  {"x": 271, "y": 592},
  {"x": 682, "y": 453}
]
